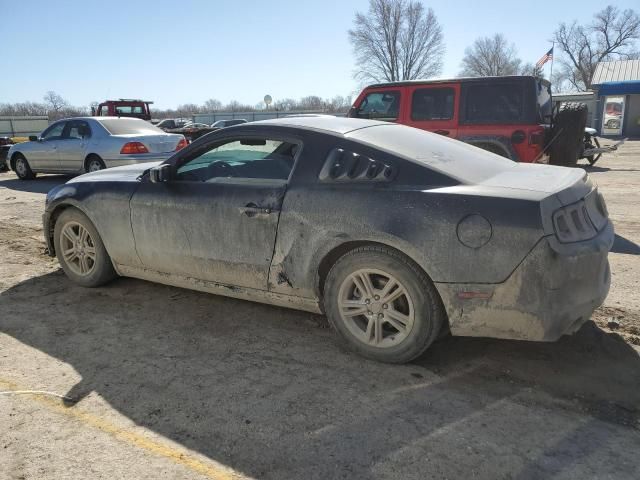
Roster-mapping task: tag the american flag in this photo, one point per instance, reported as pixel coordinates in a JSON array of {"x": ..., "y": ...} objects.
[{"x": 545, "y": 58}]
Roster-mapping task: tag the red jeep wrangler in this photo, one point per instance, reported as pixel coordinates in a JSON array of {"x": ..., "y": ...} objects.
[{"x": 511, "y": 116}]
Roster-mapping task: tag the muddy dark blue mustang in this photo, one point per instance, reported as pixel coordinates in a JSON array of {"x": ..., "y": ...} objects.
[{"x": 396, "y": 234}]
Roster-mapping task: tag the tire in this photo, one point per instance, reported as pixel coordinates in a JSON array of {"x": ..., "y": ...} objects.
[
  {"x": 377, "y": 332},
  {"x": 93, "y": 164},
  {"x": 75, "y": 233},
  {"x": 22, "y": 168},
  {"x": 567, "y": 135}
]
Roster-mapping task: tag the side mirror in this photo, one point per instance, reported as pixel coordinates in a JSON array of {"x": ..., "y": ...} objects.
[
  {"x": 160, "y": 174},
  {"x": 33, "y": 138}
]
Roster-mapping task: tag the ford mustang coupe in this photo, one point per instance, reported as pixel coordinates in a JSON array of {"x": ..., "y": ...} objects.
[{"x": 396, "y": 234}]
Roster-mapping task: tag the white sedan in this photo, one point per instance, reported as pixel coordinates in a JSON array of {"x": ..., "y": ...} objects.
[{"x": 86, "y": 144}]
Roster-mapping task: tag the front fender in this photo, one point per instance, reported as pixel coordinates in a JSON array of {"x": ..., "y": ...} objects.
[{"x": 106, "y": 204}]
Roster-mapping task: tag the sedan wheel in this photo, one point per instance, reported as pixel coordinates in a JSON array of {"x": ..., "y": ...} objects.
[
  {"x": 95, "y": 164},
  {"x": 80, "y": 250},
  {"x": 23, "y": 170},
  {"x": 382, "y": 304}
]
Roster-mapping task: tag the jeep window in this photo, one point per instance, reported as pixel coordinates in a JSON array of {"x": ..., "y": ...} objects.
[
  {"x": 545, "y": 105},
  {"x": 380, "y": 106},
  {"x": 432, "y": 104},
  {"x": 494, "y": 103}
]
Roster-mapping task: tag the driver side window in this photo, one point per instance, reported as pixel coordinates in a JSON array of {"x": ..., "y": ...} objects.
[
  {"x": 380, "y": 106},
  {"x": 255, "y": 158},
  {"x": 54, "y": 132}
]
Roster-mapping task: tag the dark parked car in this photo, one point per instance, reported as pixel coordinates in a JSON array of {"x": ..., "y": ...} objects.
[
  {"x": 228, "y": 123},
  {"x": 395, "y": 233},
  {"x": 5, "y": 145}
]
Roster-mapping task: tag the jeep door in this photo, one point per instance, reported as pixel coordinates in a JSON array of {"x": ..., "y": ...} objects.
[
  {"x": 433, "y": 107},
  {"x": 217, "y": 218}
]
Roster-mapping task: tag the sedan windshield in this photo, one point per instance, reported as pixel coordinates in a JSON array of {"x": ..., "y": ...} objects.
[{"x": 129, "y": 126}]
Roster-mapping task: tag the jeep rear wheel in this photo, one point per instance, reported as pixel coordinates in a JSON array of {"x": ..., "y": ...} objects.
[{"x": 567, "y": 136}]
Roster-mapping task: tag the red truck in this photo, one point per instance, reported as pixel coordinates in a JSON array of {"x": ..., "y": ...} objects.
[{"x": 123, "y": 107}]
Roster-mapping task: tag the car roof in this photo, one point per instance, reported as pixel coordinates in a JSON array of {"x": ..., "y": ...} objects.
[
  {"x": 97, "y": 119},
  {"x": 453, "y": 80},
  {"x": 326, "y": 123}
]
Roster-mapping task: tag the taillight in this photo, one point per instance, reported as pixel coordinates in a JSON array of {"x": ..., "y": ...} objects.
[
  {"x": 537, "y": 138},
  {"x": 133, "y": 148},
  {"x": 181, "y": 144},
  {"x": 573, "y": 224}
]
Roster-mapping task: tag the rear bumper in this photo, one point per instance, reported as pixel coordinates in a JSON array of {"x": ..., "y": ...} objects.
[{"x": 550, "y": 294}]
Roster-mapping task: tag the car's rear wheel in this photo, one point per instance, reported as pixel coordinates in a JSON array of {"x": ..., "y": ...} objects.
[
  {"x": 80, "y": 250},
  {"x": 22, "y": 168},
  {"x": 94, "y": 163},
  {"x": 382, "y": 305}
]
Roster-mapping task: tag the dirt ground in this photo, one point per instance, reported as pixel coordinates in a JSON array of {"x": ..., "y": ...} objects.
[{"x": 168, "y": 383}]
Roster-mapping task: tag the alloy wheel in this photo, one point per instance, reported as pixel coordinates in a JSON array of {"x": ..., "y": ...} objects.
[
  {"x": 21, "y": 167},
  {"x": 376, "y": 308},
  {"x": 78, "y": 248}
]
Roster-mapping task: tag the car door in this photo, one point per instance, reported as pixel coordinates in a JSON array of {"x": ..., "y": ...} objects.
[
  {"x": 434, "y": 108},
  {"x": 217, "y": 218},
  {"x": 43, "y": 154},
  {"x": 72, "y": 146}
]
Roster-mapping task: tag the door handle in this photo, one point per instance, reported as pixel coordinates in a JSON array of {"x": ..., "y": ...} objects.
[
  {"x": 251, "y": 210},
  {"x": 442, "y": 132}
]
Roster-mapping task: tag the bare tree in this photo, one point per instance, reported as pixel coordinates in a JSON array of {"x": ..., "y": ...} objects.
[
  {"x": 610, "y": 36},
  {"x": 531, "y": 69},
  {"x": 397, "y": 40},
  {"x": 212, "y": 105},
  {"x": 490, "y": 56},
  {"x": 54, "y": 101}
]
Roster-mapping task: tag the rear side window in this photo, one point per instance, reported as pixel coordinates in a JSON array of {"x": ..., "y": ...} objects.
[
  {"x": 494, "y": 103},
  {"x": 380, "y": 106},
  {"x": 345, "y": 166},
  {"x": 432, "y": 104}
]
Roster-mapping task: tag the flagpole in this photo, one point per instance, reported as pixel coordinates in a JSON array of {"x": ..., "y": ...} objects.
[{"x": 553, "y": 56}]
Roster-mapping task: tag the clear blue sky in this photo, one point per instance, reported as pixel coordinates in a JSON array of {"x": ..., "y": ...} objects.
[{"x": 186, "y": 51}]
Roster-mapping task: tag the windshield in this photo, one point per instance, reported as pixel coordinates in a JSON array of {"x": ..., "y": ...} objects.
[
  {"x": 456, "y": 159},
  {"x": 129, "y": 126}
]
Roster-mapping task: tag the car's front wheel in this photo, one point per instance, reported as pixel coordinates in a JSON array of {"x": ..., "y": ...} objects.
[
  {"x": 382, "y": 305},
  {"x": 94, "y": 163},
  {"x": 80, "y": 250},
  {"x": 22, "y": 168}
]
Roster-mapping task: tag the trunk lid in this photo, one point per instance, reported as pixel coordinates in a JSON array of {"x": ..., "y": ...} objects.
[{"x": 156, "y": 143}]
